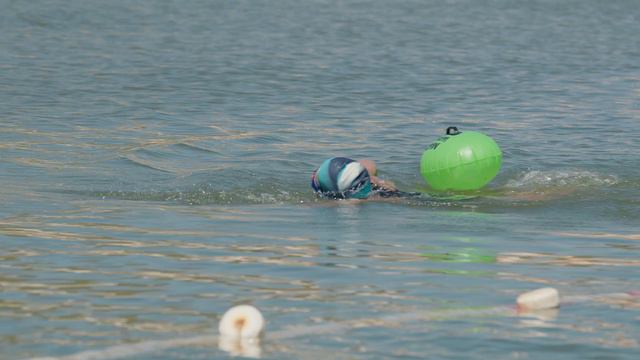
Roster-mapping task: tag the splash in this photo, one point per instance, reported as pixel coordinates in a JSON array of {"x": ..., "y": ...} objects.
[{"x": 561, "y": 179}]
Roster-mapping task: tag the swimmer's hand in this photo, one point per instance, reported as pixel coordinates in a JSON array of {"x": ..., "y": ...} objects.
[{"x": 385, "y": 185}]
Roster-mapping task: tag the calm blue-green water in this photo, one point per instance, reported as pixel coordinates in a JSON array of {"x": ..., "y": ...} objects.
[{"x": 155, "y": 159}]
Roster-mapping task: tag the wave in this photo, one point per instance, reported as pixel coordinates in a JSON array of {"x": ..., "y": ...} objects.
[
  {"x": 205, "y": 196},
  {"x": 524, "y": 187}
]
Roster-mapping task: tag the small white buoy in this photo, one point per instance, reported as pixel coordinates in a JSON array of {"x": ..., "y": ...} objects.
[
  {"x": 242, "y": 321},
  {"x": 240, "y": 329},
  {"x": 540, "y": 299}
]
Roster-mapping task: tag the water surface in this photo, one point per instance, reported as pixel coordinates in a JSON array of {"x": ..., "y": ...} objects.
[{"x": 155, "y": 160}]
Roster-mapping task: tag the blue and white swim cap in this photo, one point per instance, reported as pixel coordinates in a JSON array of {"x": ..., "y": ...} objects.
[{"x": 341, "y": 178}]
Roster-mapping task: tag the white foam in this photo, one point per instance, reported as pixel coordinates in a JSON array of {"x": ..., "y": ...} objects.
[{"x": 561, "y": 178}]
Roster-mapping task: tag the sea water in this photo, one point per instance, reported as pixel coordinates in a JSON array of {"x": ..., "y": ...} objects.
[{"x": 155, "y": 159}]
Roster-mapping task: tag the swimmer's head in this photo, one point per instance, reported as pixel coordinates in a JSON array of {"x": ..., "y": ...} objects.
[
  {"x": 370, "y": 166},
  {"x": 341, "y": 178}
]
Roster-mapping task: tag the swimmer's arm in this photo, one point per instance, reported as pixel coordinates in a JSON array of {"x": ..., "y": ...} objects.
[
  {"x": 372, "y": 169},
  {"x": 383, "y": 184}
]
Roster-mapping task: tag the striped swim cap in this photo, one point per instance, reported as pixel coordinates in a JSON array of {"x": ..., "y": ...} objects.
[{"x": 341, "y": 178}]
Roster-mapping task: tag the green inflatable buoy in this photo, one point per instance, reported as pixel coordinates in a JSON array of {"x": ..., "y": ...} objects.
[{"x": 460, "y": 161}]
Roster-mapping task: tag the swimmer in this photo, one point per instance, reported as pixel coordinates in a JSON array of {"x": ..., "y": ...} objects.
[{"x": 344, "y": 178}]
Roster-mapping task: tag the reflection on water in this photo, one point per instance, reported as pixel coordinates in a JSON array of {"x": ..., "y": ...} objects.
[
  {"x": 549, "y": 259},
  {"x": 83, "y": 269}
]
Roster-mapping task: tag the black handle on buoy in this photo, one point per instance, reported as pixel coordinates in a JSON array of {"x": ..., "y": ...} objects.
[{"x": 452, "y": 130}]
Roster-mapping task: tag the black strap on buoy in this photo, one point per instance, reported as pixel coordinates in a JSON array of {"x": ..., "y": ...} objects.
[{"x": 452, "y": 130}]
